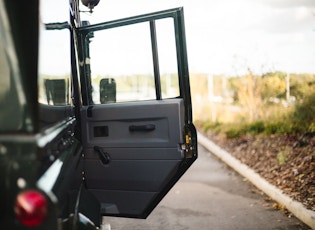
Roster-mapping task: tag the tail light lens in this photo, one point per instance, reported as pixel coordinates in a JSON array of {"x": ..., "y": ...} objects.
[{"x": 31, "y": 208}]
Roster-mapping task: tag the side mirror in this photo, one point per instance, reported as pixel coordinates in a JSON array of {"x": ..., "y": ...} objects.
[{"x": 107, "y": 90}]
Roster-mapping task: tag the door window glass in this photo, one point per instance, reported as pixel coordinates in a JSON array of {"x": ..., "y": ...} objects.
[
  {"x": 122, "y": 65},
  {"x": 9, "y": 98},
  {"x": 167, "y": 57},
  {"x": 54, "y": 67},
  {"x": 54, "y": 84}
]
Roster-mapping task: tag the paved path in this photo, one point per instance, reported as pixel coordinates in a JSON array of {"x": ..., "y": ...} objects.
[{"x": 211, "y": 196}]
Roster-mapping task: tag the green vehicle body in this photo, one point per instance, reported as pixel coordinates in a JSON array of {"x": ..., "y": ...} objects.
[{"x": 57, "y": 149}]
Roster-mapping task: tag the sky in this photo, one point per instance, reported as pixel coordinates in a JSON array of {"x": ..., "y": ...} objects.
[{"x": 231, "y": 36}]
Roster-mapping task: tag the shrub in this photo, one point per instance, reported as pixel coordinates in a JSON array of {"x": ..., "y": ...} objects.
[
  {"x": 304, "y": 112},
  {"x": 255, "y": 127},
  {"x": 210, "y": 125},
  {"x": 233, "y": 133},
  {"x": 280, "y": 127}
]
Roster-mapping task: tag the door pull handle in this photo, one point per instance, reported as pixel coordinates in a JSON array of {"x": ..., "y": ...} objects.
[{"x": 142, "y": 128}]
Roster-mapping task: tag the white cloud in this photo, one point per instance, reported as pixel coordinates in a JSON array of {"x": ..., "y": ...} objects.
[
  {"x": 287, "y": 3},
  {"x": 223, "y": 36}
]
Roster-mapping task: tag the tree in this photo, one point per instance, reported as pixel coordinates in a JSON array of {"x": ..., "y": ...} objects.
[{"x": 249, "y": 96}]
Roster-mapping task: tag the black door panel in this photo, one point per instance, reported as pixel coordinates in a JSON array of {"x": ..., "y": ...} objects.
[
  {"x": 140, "y": 161},
  {"x": 137, "y": 146},
  {"x": 130, "y": 175}
]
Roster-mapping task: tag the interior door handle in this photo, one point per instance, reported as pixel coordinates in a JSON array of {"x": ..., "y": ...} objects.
[
  {"x": 104, "y": 156},
  {"x": 142, "y": 128}
]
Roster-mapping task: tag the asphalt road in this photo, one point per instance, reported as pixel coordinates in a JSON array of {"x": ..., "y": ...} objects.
[{"x": 211, "y": 196}]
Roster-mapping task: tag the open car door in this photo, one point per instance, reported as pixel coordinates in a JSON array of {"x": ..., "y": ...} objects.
[{"x": 137, "y": 129}]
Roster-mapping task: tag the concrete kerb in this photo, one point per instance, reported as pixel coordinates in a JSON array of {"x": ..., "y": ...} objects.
[{"x": 305, "y": 215}]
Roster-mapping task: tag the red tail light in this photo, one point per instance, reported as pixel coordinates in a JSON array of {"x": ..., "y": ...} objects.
[{"x": 31, "y": 208}]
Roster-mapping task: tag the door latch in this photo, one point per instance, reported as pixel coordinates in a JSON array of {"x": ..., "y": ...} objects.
[{"x": 190, "y": 145}]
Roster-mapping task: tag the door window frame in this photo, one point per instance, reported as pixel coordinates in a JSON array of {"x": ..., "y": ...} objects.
[{"x": 177, "y": 15}]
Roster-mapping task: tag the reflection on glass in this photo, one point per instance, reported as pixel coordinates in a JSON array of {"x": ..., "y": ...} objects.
[{"x": 9, "y": 101}]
